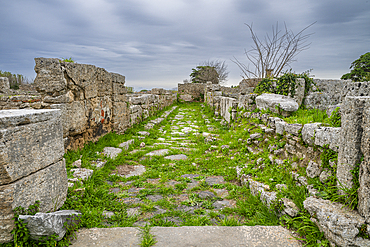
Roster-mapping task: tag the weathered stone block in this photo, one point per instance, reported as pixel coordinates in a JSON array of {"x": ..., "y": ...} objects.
[
  {"x": 46, "y": 224},
  {"x": 317, "y": 100},
  {"x": 293, "y": 129},
  {"x": 48, "y": 185},
  {"x": 299, "y": 90},
  {"x": 186, "y": 97},
  {"x": 64, "y": 98},
  {"x": 30, "y": 140},
  {"x": 328, "y": 136},
  {"x": 119, "y": 88},
  {"x": 339, "y": 224},
  {"x": 277, "y": 103},
  {"x": 313, "y": 169},
  {"x": 350, "y": 138},
  {"x": 364, "y": 174},
  {"x": 280, "y": 127},
  {"x": 50, "y": 76},
  {"x": 308, "y": 133},
  {"x": 4, "y": 84}
]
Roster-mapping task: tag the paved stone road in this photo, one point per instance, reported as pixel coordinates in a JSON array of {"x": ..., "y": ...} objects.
[{"x": 173, "y": 161}]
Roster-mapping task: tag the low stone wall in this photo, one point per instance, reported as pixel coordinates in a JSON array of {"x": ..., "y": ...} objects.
[
  {"x": 31, "y": 163},
  {"x": 230, "y": 92},
  {"x": 305, "y": 145},
  {"x": 331, "y": 93},
  {"x": 191, "y": 91},
  {"x": 93, "y": 101},
  {"x": 196, "y": 91}
]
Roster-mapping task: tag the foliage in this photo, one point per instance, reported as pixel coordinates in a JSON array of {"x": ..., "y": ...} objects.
[
  {"x": 360, "y": 69},
  {"x": 68, "y": 60},
  {"x": 285, "y": 85},
  {"x": 273, "y": 54},
  {"x": 202, "y": 74},
  {"x": 14, "y": 79},
  {"x": 147, "y": 238},
  {"x": 335, "y": 118}
]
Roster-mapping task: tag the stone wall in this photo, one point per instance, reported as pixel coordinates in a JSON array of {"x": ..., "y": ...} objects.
[
  {"x": 93, "y": 101},
  {"x": 31, "y": 163},
  {"x": 305, "y": 143},
  {"x": 191, "y": 91},
  {"x": 196, "y": 91}
]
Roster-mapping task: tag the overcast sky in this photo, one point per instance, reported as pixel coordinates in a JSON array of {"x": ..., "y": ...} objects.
[{"x": 156, "y": 43}]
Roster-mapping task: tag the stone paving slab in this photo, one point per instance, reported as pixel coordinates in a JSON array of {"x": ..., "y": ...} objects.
[
  {"x": 108, "y": 237},
  {"x": 202, "y": 236},
  {"x": 189, "y": 236}
]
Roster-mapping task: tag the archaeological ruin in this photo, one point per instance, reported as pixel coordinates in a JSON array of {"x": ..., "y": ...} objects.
[{"x": 72, "y": 105}]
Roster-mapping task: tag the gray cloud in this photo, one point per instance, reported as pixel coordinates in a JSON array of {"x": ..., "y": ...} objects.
[{"x": 156, "y": 43}]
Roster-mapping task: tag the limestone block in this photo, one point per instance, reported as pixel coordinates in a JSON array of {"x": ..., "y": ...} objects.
[
  {"x": 4, "y": 84},
  {"x": 338, "y": 224},
  {"x": 125, "y": 145},
  {"x": 75, "y": 117},
  {"x": 46, "y": 224},
  {"x": 308, "y": 133},
  {"x": 119, "y": 88},
  {"x": 135, "y": 100},
  {"x": 328, "y": 136},
  {"x": 280, "y": 127},
  {"x": 285, "y": 104},
  {"x": 99, "y": 110},
  {"x": 313, "y": 169},
  {"x": 64, "y": 98},
  {"x": 49, "y": 186},
  {"x": 289, "y": 207},
  {"x": 299, "y": 90},
  {"x": 135, "y": 108},
  {"x": 350, "y": 138},
  {"x": 117, "y": 78},
  {"x": 121, "y": 117},
  {"x": 293, "y": 128},
  {"x": 30, "y": 140},
  {"x": 333, "y": 88},
  {"x": 364, "y": 175},
  {"x": 186, "y": 97},
  {"x": 50, "y": 76},
  {"x": 317, "y": 100},
  {"x": 355, "y": 89},
  {"x": 325, "y": 176},
  {"x": 112, "y": 152}
]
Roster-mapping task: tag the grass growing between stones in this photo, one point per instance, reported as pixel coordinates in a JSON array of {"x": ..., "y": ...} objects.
[{"x": 199, "y": 190}]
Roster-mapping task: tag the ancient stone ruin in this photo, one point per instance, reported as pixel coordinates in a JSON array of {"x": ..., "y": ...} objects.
[{"x": 78, "y": 103}]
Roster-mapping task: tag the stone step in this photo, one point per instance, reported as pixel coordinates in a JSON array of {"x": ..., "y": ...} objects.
[{"x": 189, "y": 236}]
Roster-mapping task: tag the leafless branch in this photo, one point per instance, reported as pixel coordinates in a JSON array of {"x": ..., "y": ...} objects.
[{"x": 275, "y": 52}]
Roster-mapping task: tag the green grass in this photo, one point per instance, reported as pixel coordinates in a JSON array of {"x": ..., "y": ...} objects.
[{"x": 92, "y": 197}]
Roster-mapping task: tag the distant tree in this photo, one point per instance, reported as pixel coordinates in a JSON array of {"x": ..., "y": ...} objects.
[
  {"x": 14, "y": 79},
  {"x": 272, "y": 55},
  {"x": 220, "y": 67},
  {"x": 360, "y": 69},
  {"x": 202, "y": 74}
]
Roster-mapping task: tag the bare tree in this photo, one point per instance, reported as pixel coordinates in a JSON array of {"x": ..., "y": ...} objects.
[
  {"x": 220, "y": 67},
  {"x": 270, "y": 56}
]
